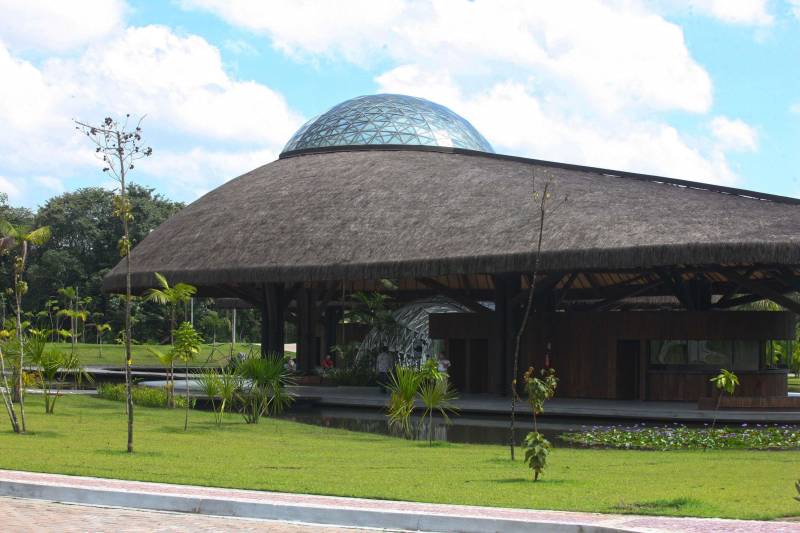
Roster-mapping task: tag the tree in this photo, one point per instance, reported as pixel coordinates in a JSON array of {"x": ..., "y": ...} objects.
[
  {"x": 102, "y": 329},
  {"x": 20, "y": 239},
  {"x": 186, "y": 347},
  {"x": 119, "y": 148},
  {"x": 541, "y": 389},
  {"x": 171, "y": 297},
  {"x": 72, "y": 312},
  {"x": 543, "y": 202},
  {"x": 725, "y": 382}
]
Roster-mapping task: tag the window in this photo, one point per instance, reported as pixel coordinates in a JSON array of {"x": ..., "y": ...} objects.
[
  {"x": 746, "y": 355},
  {"x": 711, "y": 353},
  {"x": 669, "y": 352}
]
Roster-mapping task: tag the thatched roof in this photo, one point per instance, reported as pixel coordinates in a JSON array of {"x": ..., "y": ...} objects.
[{"x": 383, "y": 212}]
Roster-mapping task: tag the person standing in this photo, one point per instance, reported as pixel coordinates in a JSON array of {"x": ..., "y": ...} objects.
[{"x": 383, "y": 365}]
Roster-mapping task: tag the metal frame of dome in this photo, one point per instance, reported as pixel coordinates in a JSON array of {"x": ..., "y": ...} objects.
[{"x": 387, "y": 119}]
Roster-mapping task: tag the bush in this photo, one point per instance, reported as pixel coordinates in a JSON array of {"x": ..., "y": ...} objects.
[
  {"x": 143, "y": 396},
  {"x": 352, "y": 377}
]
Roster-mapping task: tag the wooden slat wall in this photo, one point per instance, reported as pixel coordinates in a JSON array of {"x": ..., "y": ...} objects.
[{"x": 583, "y": 345}]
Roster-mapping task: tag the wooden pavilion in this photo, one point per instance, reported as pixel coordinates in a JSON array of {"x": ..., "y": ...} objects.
[{"x": 640, "y": 282}]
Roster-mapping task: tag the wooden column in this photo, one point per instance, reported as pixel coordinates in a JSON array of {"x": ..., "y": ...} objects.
[
  {"x": 506, "y": 322},
  {"x": 272, "y": 312},
  {"x": 332, "y": 317}
]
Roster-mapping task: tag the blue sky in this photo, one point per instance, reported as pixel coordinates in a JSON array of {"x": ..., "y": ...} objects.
[{"x": 705, "y": 90}]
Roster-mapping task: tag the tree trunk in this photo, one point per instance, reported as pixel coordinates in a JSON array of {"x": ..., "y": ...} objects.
[
  {"x": 525, "y": 317},
  {"x": 17, "y": 280},
  {"x": 128, "y": 296},
  {"x": 186, "y": 419}
]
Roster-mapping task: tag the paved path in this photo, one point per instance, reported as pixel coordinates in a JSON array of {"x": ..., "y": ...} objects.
[
  {"x": 19, "y": 515},
  {"x": 305, "y": 507}
]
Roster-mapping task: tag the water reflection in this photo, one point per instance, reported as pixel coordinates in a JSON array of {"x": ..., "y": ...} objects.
[{"x": 468, "y": 429}]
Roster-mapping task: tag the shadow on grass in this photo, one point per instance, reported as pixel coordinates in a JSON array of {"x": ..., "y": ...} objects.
[
  {"x": 656, "y": 506},
  {"x": 123, "y": 453},
  {"x": 521, "y": 480}
]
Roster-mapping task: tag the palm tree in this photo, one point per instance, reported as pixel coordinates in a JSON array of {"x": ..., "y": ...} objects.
[
  {"x": 102, "y": 329},
  {"x": 186, "y": 347},
  {"x": 21, "y": 239},
  {"x": 264, "y": 382},
  {"x": 437, "y": 396},
  {"x": 172, "y": 297}
]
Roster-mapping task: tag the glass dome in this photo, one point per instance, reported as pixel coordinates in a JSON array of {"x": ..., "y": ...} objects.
[{"x": 388, "y": 119}]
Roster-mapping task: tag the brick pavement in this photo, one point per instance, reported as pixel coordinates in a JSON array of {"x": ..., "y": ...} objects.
[
  {"x": 649, "y": 524},
  {"x": 19, "y": 515}
]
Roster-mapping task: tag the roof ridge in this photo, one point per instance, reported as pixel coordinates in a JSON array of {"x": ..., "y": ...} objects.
[{"x": 653, "y": 178}]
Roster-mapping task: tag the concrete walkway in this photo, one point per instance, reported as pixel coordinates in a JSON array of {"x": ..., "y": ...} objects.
[
  {"x": 350, "y": 512},
  {"x": 20, "y": 515}
]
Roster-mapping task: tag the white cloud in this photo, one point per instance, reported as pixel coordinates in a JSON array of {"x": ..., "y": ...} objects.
[
  {"x": 794, "y": 7},
  {"x": 615, "y": 55},
  {"x": 199, "y": 170},
  {"x": 10, "y": 187},
  {"x": 178, "y": 81},
  {"x": 517, "y": 121},
  {"x": 741, "y": 12},
  {"x": 55, "y": 185},
  {"x": 734, "y": 134},
  {"x": 58, "y": 25}
]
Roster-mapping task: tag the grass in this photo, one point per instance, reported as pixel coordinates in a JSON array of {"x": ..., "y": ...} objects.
[
  {"x": 794, "y": 384},
  {"x": 113, "y": 354},
  {"x": 86, "y": 436}
]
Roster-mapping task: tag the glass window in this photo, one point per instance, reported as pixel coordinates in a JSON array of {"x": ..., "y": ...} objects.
[
  {"x": 669, "y": 352},
  {"x": 776, "y": 354},
  {"x": 746, "y": 355},
  {"x": 711, "y": 353}
]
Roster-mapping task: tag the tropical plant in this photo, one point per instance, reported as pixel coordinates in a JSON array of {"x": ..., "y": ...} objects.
[
  {"x": 49, "y": 363},
  {"x": 172, "y": 297},
  {"x": 539, "y": 390},
  {"x": 20, "y": 239},
  {"x": 403, "y": 385},
  {"x": 102, "y": 329},
  {"x": 219, "y": 388},
  {"x": 186, "y": 347},
  {"x": 437, "y": 396},
  {"x": 167, "y": 360},
  {"x": 537, "y": 449},
  {"x": 263, "y": 386},
  {"x": 119, "y": 148},
  {"x": 725, "y": 382}
]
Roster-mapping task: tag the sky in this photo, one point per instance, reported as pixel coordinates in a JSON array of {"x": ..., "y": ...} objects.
[{"x": 703, "y": 90}]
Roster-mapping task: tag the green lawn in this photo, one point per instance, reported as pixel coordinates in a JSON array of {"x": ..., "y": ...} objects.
[
  {"x": 86, "y": 436},
  {"x": 112, "y": 354},
  {"x": 794, "y": 384}
]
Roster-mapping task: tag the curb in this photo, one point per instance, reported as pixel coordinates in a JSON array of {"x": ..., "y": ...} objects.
[{"x": 309, "y": 514}]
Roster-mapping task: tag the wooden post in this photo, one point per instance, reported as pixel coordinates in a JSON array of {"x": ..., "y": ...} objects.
[
  {"x": 272, "y": 309},
  {"x": 506, "y": 322}
]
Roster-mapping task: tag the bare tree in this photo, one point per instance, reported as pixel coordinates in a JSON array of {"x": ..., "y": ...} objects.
[
  {"x": 119, "y": 147},
  {"x": 543, "y": 202}
]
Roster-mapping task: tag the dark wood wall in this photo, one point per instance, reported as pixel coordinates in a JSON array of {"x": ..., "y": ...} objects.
[{"x": 583, "y": 347}]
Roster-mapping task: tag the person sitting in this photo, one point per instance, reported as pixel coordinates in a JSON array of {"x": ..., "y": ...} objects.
[
  {"x": 327, "y": 363},
  {"x": 290, "y": 365}
]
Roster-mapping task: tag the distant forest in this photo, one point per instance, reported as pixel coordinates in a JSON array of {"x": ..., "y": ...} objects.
[{"x": 82, "y": 249}]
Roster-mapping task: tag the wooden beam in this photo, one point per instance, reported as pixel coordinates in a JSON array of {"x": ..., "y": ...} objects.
[
  {"x": 763, "y": 290},
  {"x": 563, "y": 290},
  {"x": 633, "y": 291},
  {"x": 542, "y": 286},
  {"x": 469, "y": 303}
]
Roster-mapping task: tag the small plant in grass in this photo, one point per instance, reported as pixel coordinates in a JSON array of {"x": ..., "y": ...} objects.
[
  {"x": 167, "y": 360},
  {"x": 220, "y": 388},
  {"x": 437, "y": 395},
  {"x": 263, "y": 386},
  {"x": 403, "y": 385},
  {"x": 726, "y": 383},
  {"x": 49, "y": 363},
  {"x": 539, "y": 390},
  {"x": 186, "y": 347}
]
